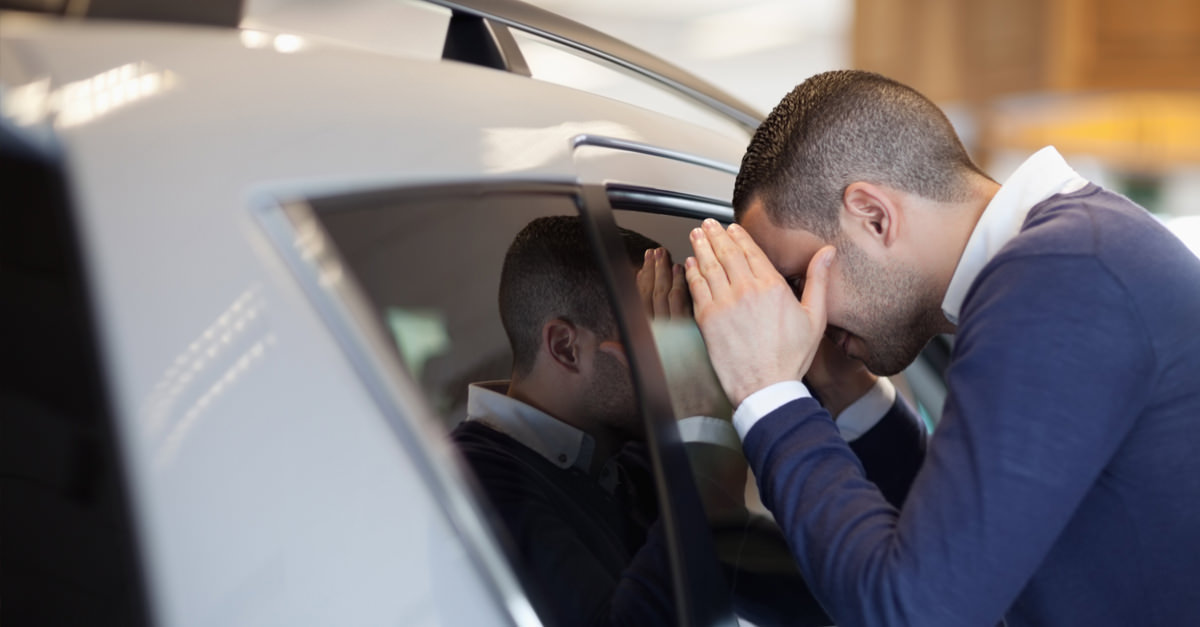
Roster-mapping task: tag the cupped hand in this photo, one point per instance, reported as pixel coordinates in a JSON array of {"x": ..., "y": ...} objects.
[{"x": 756, "y": 332}]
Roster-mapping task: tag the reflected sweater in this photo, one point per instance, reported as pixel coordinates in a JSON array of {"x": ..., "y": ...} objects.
[
  {"x": 593, "y": 556},
  {"x": 1062, "y": 486}
]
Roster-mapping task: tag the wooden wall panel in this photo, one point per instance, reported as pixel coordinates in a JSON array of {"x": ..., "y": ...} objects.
[
  {"x": 1117, "y": 79},
  {"x": 977, "y": 50}
]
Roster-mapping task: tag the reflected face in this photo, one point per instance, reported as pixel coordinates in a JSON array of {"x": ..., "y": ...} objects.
[
  {"x": 611, "y": 393},
  {"x": 876, "y": 314},
  {"x": 610, "y": 387}
]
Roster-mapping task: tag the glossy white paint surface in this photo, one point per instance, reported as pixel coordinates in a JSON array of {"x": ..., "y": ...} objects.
[{"x": 269, "y": 489}]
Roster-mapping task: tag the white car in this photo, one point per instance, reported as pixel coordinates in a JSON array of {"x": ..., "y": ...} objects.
[{"x": 249, "y": 259}]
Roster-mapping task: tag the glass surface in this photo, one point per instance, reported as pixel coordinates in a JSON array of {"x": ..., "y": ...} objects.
[
  {"x": 557, "y": 452},
  {"x": 431, "y": 266}
]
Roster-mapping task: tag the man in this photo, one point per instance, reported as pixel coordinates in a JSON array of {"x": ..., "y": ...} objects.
[
  {"x": 1062, "y": 486},
  {"x": 558, "y": 449}
]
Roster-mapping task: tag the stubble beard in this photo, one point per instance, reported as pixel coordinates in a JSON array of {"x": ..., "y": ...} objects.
[
  {"x": 895, "y": 313},
  {"x": 613, "y": 397}
]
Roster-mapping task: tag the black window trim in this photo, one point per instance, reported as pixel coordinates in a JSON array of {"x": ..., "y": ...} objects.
[
  {"x": 481, "y": 41},
  {"x": 666, "y": 202}
]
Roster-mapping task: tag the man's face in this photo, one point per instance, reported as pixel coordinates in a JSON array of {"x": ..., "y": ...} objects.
[
  {"x": 610, "y": 387},
  {"x": 876, "y": 314},
  {"x": 611, "y": 394}
]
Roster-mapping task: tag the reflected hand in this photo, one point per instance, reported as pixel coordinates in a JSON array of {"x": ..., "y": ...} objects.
[
  {"x": 838, "y": 380},
  {"x": 756, "y": 331},
  {"x": 662, "y": 287}
]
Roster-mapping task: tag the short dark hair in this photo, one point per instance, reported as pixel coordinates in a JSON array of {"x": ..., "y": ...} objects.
[
  {"x": 844, "y": 126},
  {"x": 550, "y": 271}
]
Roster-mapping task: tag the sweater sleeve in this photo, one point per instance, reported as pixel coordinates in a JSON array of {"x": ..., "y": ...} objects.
[{"x": 1047, "y": 377}]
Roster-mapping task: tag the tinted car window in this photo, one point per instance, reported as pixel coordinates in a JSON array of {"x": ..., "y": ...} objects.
[{"x": 430, "y": 263}]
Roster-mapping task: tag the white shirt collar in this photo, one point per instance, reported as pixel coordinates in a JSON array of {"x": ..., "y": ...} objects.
[
  {"x": 564, "y": 445},
  {"x": 1041, "y": 176},
  {"x": 863, "y": 414}
]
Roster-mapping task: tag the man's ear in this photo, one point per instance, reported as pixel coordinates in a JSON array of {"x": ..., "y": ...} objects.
[
  {"x": 560, "y": 340},
  {"x": 871, "y": 210}
]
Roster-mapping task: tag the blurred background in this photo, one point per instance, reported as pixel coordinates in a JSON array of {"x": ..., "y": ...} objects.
[{"x": 1113, "y": 84}]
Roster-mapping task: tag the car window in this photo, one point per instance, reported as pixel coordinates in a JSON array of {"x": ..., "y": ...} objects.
[
  {"x": 68, "y": 555},
  {"x": 431, "y": 262}
]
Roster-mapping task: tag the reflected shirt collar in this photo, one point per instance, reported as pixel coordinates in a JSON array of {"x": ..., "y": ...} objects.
[
  {"x": 564, "y": 445},
  {"x": 1041, "y": 176}
]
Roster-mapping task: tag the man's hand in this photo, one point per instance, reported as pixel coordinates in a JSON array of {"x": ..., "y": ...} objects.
[
  {"x": 756, "y": 331},
  {"x": 836, "y": 379},
  {"x": 662, "y": 287}
]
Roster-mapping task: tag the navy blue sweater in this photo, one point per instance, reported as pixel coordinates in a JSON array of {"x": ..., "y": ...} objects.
[{"x": 1062, "y": 486}]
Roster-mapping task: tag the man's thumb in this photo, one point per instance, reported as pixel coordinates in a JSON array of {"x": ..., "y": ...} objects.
[{"x": 817, "y": 283}]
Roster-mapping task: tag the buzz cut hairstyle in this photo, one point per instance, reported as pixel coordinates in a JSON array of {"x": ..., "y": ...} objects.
[
  {"x": 550, "y": 271},
  {"x": 844, "y": 126}
]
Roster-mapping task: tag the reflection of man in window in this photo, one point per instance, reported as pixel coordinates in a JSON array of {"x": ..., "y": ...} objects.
[
  {"x": 549, "y": 445},
  {"x": 558, "y": 449}
]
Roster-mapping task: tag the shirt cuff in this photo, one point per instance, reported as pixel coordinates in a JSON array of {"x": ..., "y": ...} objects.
[
  {"x": 765, "y": 401},
  {"x": 709, "y": 430},
  {"x": 862, "y": 415}
]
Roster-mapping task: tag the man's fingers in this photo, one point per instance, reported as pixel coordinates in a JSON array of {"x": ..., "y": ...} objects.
[
  {"x": 707, "y": 267},
  {"x": 697, "y": 284},
  {"x": 731, "y": 255},
  {"x": 816, "y": 285},
  {"x": 756, "y": 259}
]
